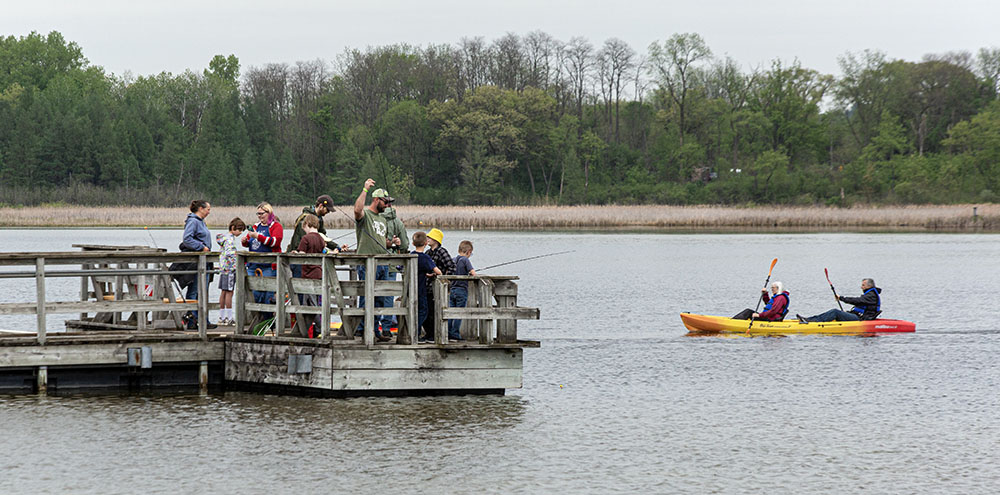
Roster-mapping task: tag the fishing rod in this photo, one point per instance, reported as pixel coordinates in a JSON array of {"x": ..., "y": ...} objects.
[{"x": 526, "y": 259}]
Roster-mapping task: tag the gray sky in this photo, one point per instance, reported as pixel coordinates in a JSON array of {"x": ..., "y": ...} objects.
[{"x": 172, "y": 35}]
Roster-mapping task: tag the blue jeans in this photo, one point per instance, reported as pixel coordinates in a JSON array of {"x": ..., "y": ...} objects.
[
  {"x": 458, "y": 299},
  {"x": 422, "y": 316},
  {"x": 835, "y": 315},
  {"x": 381, "y": 273},
  {"x": 387, "y": 302}
]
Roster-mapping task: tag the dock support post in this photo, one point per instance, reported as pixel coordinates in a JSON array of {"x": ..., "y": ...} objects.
[
  {"x": 328, "y": 271},
  {"x": 486, "y": 301},
  {"x": 203, "y": 377},
  {"x": 412, "y": 327},
  {"x": 369, "y": 301},
  {"x": 43, "y": 380},
  {"x": 440, "y": 291},
  {"x": 279, "y": 298},
  {"x": 240, "y": 296},
  {"x": 202, "y": 298},
  {"x": 40, "y": 298}
]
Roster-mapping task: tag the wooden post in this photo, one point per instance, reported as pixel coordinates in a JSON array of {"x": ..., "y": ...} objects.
[
  {"x": 40, "y": 298},
  {"x": 203, "y": 377},
  {"x": 486, "y": 301},
  {"x": 240, "y": 296},
  {"x": 507, "y": 329},
  {"x": 369, "y": 301},
  {"x": 328, "y": 270},
  {"x": 473, "y": 326},
  {"x": 279, "y": 298},
  {"x": 84, "y": 289},
  {"x": 140, "y": 290},
  {"x": 284, "y": 272},
  {"x": 116, "y": 317},
  {"x": 42, "y": 380},
  {"x": 342, "y": 302},
  {"x": 202, "y": 297},
  {"x": 409, "y": 301},
  {"x": 439, "y": 288}
]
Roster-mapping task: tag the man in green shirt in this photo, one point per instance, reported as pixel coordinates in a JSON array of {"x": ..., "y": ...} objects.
[{"x": 371, "y": 229}]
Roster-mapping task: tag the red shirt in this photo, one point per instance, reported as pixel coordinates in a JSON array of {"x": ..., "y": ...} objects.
[
  {"x": 777, "y": 308},
  {"x": 312, "y": 243}
]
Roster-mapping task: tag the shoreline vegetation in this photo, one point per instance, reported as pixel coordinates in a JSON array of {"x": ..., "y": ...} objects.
[
  {"x": 913, "y": 218},
  {"x": 522, "y": 119}
]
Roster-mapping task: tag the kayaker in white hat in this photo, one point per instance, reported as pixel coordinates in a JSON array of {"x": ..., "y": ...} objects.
[{"x": 775, "y": 308}]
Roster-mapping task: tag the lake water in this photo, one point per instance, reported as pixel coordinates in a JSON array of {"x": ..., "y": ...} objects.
[{"x": 617, "y": 399}]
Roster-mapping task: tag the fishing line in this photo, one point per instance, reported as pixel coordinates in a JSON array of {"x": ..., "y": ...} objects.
[{"x": 526, "y": 259}]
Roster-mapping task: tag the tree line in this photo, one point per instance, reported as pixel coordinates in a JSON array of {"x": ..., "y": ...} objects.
[{"x": 517, "y": 120}]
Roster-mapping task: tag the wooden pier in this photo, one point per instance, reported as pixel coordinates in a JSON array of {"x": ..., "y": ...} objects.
[{"x": 130, "y": 337}]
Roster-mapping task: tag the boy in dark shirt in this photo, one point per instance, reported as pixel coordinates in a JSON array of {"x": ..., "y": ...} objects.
[
  {"x": 312, "y": 242},
  {"x": 460, "y": 288},
  {"x": 425, "y": 269}
]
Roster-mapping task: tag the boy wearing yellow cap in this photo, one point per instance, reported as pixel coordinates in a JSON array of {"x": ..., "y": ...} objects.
[{"x": 442, "y": 259}]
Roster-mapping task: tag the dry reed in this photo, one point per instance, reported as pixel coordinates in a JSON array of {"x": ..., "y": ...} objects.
[{"x": 897, "y": 218}]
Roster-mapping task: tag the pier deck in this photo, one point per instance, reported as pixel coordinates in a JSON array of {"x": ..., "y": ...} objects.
[{"x": 155, "y": 357}]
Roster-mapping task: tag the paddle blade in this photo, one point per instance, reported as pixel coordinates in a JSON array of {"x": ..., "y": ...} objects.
[
  {"x": 827, "y": 272},
  {"x": 773, "y": 262}
]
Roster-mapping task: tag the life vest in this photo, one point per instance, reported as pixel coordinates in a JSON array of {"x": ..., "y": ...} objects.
[
  {"x": 767, "y": 307},
  {"x": 861, "y": 309}
]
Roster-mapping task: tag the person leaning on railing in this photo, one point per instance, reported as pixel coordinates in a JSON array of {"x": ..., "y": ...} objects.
[
  {"x": 197, "y": 238},
  {"x": 264, "y": 237}
]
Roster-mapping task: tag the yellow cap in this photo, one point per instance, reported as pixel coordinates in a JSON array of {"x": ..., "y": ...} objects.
[{"x": 436, "y": 234}]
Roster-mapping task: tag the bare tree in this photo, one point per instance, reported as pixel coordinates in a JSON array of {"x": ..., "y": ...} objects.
[
  {"x": 475, "y": 65},
  {"x": 507, "y": 69},
  {"x": 621, "y": 59},
  {"x": 539, "y": 48},
  {"x": 579, "y": 61}
]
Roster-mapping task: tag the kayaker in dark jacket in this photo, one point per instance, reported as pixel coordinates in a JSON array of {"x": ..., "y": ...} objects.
[
  {"x": 866, "y": 307},
  {"x": 775, "y": 308}
]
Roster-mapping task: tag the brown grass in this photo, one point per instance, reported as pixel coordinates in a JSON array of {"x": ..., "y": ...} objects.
[{"x": 898, "y": 218}]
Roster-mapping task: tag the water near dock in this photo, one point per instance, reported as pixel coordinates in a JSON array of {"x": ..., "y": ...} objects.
[{"x": 617, "y": 399}]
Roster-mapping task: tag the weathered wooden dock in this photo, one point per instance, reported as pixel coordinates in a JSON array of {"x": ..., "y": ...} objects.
[{"x": 129, "y": 335}]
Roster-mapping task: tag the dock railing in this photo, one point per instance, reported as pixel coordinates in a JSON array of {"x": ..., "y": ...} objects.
[
  {"x": 489, "y": 317},
  {"x": 97, "y": 267},
  {"x": 490, "y": 314},
  {"x": 336, "y": 295}
]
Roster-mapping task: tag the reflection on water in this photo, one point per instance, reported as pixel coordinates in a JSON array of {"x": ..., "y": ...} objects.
[{"x": 617, "y": 399}]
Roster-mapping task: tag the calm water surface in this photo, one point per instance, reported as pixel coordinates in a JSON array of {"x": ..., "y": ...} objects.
[{"x": 617, "y": 399}]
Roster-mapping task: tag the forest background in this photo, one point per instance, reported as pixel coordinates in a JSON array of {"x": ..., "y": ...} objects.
[{"x": 519, "y": 120}]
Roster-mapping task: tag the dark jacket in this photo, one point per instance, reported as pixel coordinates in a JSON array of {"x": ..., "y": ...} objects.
[
  {"x": 300, "y": 231},
  {"x": 869, "y": 304}
]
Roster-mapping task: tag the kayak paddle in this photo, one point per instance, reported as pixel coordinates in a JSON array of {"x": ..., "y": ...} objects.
[
  {"x": 761, "y": 298},
  {"x": 827, "y": 272}
]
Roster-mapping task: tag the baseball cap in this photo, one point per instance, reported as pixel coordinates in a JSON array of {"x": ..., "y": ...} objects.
[
  {"x": 324, "y": 200},
  {"x": 381, "y": 193}
]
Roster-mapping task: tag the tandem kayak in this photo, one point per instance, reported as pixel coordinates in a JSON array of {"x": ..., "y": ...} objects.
[{"x": 704, "y": 323}]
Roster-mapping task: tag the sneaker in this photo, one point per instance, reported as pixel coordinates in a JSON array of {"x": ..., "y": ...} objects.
[
  {"x": 382, "y": 338},
  {"x": 802, "y": 319}
]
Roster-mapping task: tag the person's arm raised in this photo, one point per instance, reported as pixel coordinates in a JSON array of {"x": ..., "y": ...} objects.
[{"x": 359, "y": 204}]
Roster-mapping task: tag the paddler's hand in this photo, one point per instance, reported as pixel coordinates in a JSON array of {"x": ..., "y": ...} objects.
[{"x": 756, "y": 315}]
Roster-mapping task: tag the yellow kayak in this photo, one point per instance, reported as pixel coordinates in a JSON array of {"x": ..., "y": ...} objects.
[{"x": 705, "y": 323}]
